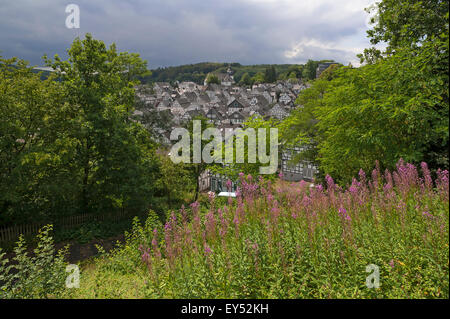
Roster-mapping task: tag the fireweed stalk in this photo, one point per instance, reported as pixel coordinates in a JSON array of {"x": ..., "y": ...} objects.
[{"x": 290, "y": 240}]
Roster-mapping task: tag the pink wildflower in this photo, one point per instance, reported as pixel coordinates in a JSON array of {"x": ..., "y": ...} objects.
[
  {"x": 229, "y": 184},
  {"x": 391, "y": 263},
  {"x": 343, "y": 214},
  {"x": 208, "y": 250}
]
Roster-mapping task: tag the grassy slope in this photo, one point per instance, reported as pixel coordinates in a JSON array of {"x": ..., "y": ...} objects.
[{"x": 289, "y": 241}]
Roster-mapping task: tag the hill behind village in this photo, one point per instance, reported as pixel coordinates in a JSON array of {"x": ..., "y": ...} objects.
[{"x": 197, "y": 72}]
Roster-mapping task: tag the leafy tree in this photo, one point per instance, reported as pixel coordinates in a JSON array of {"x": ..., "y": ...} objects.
[
  {"x": 32, "y": 174},
  {"x": 292, "y": 77},
  {"x": 408, "y": 23},
  {"x": 329, "y": 73},
  {"x": 400, "y": 113},
  {"x": 212, "y": 79},
  {"x": 258, "y": 78},
  {"x": 250, "y": 163},
  {"x": 297, "y": 70},
  {"x": 309, "y": 70},
  {"x": 246, "y": 79},
  {"x": 112, "y": 154},
  {"x": 395, "y": 106},
  {"x": 196, "y": 169},
  {"x": 370, "y": 56},
  {"x": 300, "y": 127},
  {"x": 175, "y": 179},
  {"x": 270, "y": 75},
  {"x": 405, "y": 23}
]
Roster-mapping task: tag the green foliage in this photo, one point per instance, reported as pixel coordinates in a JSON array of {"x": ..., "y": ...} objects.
[
  {"x": 111, "y": 150},
  {"x": 408, "y": 23},
  {"x": 292, "y": 77},
  {"x": 259, "y": 78},
  {"x": 67, "y": 142},
  {"x": 191, "y": 72},
  {"x": 39, "y": 276},
  {"x": 309, "y": 71},
  {"x": 198, "y": 72},
  {"x": 88, "y": 232},
  {"x": 270, "y": 75},
  {"x": 395, "y": 106},
  {"x": 232, "y": 170},
  {"x": 175, "y": 180},
  {"x": 196, "y": 169},
  {"x": 212, "y": 79},
  {"x": 33, "y": 159},
  {"x": 246, "y": 79},
  {"x": 300, "y": 127},
  {"x": 328, "y": 73},
  {"x": 405, "y": 24}
]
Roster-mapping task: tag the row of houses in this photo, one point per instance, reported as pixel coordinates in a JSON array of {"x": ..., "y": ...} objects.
[
  {"x": 223, "y": 104},
  {"x": 228, "y": 107}
]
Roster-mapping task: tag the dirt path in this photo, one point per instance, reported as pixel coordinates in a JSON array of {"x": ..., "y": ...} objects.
[{"x": 79, "y": 252}]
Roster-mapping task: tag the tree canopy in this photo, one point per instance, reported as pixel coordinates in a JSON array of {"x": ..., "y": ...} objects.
[
  {"x": 68, "y": 144},
  {"x": 212, "y": 79},
  {"x": 395, "y": 106}
]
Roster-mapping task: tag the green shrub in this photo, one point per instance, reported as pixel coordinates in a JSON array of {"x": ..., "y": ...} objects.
[{"x": 40, "y": 276}]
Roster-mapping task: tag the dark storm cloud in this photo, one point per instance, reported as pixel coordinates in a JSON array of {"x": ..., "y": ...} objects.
[{"x": 173, "y": 32}]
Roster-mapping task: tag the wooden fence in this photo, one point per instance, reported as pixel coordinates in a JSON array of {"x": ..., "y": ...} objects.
[{"x": 8, "y": 234}]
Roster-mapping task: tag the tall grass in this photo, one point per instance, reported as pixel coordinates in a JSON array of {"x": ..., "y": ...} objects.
[{"x": 294, "y": 241}]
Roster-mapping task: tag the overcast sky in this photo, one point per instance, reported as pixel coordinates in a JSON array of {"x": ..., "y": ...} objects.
[{"x": 175, "y": 32}]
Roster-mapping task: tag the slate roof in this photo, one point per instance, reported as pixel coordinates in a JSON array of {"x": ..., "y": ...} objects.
[
  {"x": 184, "y": 103},
  {"x": 231, "y": 104},
  {"x": 203, "y": 97},
  {"x": 215, "y": 112},
  {"x": 190, "y": 96},
  {"x": 163, "y": 84}
]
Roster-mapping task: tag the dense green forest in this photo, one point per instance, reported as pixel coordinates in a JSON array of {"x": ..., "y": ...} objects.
[{"x": 198, "y": 72}]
